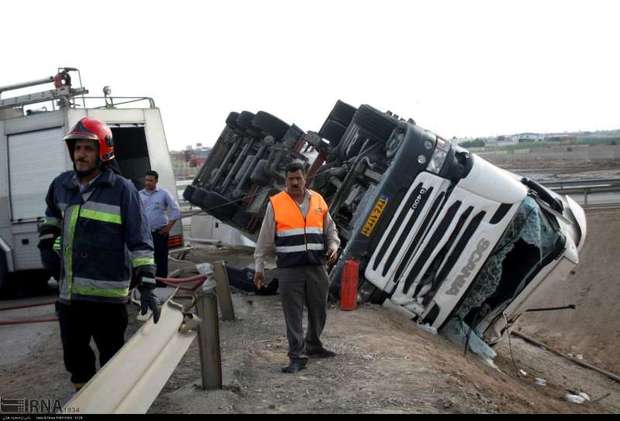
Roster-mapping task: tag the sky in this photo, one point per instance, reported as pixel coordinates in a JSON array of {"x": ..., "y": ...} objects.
[{"x": 458, "y": 68}]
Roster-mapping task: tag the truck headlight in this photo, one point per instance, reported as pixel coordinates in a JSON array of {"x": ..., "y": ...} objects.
[{"x": 442, "y": 147}]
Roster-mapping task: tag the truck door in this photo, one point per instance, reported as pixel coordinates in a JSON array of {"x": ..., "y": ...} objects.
[{"x": 35, "y": 158}]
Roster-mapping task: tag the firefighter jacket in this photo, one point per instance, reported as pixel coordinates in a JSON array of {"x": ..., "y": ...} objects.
[
  {"x": 299, "y": 240},
  {"x": 104, "y": 237}
]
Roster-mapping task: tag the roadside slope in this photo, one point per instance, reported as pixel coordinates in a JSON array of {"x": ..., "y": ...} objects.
[
  {"x": 593, "y": 328},
  {"x": 385, "y": 364}
]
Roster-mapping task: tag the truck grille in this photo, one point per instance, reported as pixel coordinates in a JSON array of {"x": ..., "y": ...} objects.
[
  {"x": 430, "y": 216},
  {"x": 406, "y": 230},
  {"x": 426, "y": 237},
  {"x": 437, "y": 235}
]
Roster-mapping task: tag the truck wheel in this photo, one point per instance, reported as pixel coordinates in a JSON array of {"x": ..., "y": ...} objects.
[
  {"x": 220, "y": 206},
  {"x": 270, "y": 124},
  {"x": 375, "y": 122},
  {"x": 231, "y": 120},
  {"x": 244, "y": 120},
  {"x": 188, "y": 192},
  {"x": 198, "y": 198},
  {"x": 342, "y": 113},
  {"x": 333, "y": 131}
]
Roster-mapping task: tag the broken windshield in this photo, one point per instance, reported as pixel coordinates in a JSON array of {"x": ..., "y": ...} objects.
[{"x": 521, "y": 252}]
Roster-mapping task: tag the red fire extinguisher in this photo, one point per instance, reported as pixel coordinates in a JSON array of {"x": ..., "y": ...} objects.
[{"x": 348, "y": 285}]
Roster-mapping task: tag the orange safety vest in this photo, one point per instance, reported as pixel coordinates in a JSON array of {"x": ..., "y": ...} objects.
[{"x": 299, "y": 240}]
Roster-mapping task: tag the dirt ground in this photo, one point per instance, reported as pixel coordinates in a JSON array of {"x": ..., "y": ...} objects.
[
  {"x": 593, "y": 328},
  {"x": 385, "y": 364},
  {"x": 548, "y": 168}
]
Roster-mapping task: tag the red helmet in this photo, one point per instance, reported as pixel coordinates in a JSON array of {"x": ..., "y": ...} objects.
[{"x": 93, "y": 129}]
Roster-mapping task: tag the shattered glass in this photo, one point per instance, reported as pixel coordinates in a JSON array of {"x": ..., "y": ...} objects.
[
  {"x": 528, "y": 225},
  {"x": 457, "y": 331}
]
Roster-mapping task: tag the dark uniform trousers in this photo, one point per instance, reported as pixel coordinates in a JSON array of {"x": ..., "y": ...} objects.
[
  {"x": 299, "y": 286},
  {"x": 160, "y": 244},
  {"x": 82, "y": 320}
]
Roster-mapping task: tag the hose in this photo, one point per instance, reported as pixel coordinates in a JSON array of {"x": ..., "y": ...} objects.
[
  {"x": 47, "y": 303},
  {"x": 27, "y": 321},
  {"x": 179, "y": 283}
]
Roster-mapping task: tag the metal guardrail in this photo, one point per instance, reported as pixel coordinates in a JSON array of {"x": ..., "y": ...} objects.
[
  {"x": 586, "y": 187},
  {"x": 131, "y": 381},
  {"x": 613, "y": 183}
]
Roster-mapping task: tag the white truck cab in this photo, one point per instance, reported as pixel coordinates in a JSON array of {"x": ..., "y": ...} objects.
[{"x": 32, "y": 153}]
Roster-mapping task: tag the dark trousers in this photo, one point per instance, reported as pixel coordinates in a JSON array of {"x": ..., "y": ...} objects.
[
  {"x": 79, "y": 322},
  {"x": 299, "y": 286},
  {"x": 160, "y": 243}
]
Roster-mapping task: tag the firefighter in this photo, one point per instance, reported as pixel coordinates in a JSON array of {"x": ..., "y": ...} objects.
[
  {"x": 298, "y": 228},
  {"x": 105, "y": 248}
]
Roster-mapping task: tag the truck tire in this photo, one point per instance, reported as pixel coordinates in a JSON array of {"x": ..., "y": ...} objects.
[
  {"x": 188, "y": 192},
  {"x": 270, "y": 124},
  {"x": 333, "y": 131},
  {"x": 342, "y": 113},
  {"x": 199, "y": 197},
  {"x": 220, "y": 206},
  {"x": 231, "y": 120},
  {"x": 373, "y": 121},
  {"x": 244, "y": 120}
]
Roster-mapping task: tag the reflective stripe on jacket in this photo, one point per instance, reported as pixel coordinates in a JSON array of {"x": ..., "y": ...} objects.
[
  {"x": 104, "y": 236},
  {"x": 299, "y": 240}
]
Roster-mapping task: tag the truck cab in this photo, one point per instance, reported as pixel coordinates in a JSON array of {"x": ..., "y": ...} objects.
[{"x": 35, "y": 154}]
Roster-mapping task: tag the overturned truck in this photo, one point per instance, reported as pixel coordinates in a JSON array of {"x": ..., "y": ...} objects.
[{"x": 437, "y": 230}]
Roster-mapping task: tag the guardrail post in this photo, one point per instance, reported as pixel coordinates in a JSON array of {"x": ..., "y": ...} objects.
[
  {"x": 222, "y": 288},
  {"x": 209, "y": 340},
  {"x": 585, "y": 196}
]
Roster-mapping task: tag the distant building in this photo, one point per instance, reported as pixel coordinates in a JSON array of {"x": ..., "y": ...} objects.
[{"x": 529, "y": 137}]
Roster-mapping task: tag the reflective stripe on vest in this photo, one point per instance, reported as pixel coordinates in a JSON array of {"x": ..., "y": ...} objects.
[
  {"x": 71, "y": 215},
  {"x": 141, "y": 258},
  {"x": 97, "y": 288},
  {"x": 88, "y": 287},
  {"x": 299, "y": 240},
  {"x": 101, "y": 212}
]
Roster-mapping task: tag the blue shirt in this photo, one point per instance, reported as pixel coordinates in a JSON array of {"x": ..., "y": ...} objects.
[{"x": 156, "y": 203}]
